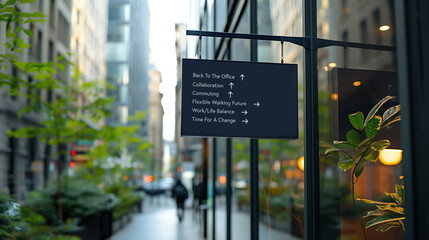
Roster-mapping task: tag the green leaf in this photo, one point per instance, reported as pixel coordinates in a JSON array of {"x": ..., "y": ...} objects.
[
  {"x": 363, "y": 142},
  {"x": 383, "y": 219},
  {"x": 395, "y": 197},
  {"x": 393, "y": 209},
  {"x": 61, "y": 67},
  {"x": 372, "y": 202},
  {"x": 356, "y": 120},
  {"x": 19, "y": 64},
  {"x": 380, "y": 145},
  {"x": 400, "y": 191},
  {"x": 346, "y": 164},
  {"x": 360, "y": 167},
  {"x": 332, "y": 150},
  {"x": 385, "y": 227},
  {"x": 390, "y": 112},
  {"x": 8, "y": 45},
  {"x": 375, "y": 213},
  {"x": 353, "y": 138},
  {"x": 29, "y": 33},
  {"x": 396, "y": 119},
  {"x": 372, "y": 156},
  {"x": 372, "y": 127},
  {"x": 375, "y": 108},
  {"x": 18, "y": 29},
  {"x": 11, "y": 35},
  {"x": 343, "y": 144},
  {"x": 27, "y": 1}
]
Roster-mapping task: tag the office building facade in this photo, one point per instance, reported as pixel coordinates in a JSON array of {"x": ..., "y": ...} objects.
[
  {"x": 26, "y": 164},
  {"x": 300, "y": 193}
]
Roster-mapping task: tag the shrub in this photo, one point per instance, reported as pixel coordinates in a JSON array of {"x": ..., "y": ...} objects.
[{"x": 80, "y": 199}]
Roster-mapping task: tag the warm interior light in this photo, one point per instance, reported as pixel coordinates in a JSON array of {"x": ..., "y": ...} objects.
[
  {"x": 390, "y": 157},
  {"x": 384, "y": 28},
  {"x": 301, "y": 163},
  {"x": 222, "y": 179},
  {"x": 332, "y": 65},
  {"x": 357, "y": 83},
  {"x": 326, "y": 68},
  {"x": 334, "y": 96}
]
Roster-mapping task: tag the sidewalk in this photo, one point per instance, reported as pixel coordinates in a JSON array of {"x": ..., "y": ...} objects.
[{"x": 159, "y": 221}]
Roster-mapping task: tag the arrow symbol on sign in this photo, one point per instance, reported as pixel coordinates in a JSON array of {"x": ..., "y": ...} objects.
[
  {"x": 257, "y": 104},
  {"x": 245, "y": 112},
  {"x": 245, "y": 121},
  {"x": 230, "y": 94},
  {"x": 231, "y": 84},
  {"x": 242, "y": 76}
]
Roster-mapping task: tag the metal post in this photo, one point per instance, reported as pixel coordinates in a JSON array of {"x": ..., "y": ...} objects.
[
  {"x": 311, "y": 125},
  {"x": 254, "y": 190},
  {"x": 228, "y": 187},
  {"x": 205, "y": 184},
  {"x": 214, "y": 187},
  {"x": 413, "y": 74},
  {"x": 254, "y": 175}
]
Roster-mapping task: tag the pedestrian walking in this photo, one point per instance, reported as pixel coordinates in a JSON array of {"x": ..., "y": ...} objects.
[{"x": 180, "y": 193}]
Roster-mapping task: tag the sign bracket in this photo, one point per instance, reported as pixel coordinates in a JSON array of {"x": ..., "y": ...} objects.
[{"x": 304, "y": 42}]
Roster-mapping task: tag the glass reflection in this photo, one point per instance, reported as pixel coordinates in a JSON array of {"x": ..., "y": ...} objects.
[{"x": 357, "y": 81}]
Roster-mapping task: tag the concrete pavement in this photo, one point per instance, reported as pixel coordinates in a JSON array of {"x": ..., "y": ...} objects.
[{"x": 159, "y": 221}]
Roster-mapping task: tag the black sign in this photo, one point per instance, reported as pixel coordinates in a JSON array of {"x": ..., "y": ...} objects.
[{"x": 239, "y": 99}]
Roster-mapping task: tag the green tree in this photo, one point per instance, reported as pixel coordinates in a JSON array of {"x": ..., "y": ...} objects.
[
  {"x": 15, "y": 22},
  {"x": 66, "y": 119},
  {"x": 120, "y": 150}
]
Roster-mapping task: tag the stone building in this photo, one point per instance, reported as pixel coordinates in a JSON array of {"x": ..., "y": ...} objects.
[{"x": 26, "y": 164}]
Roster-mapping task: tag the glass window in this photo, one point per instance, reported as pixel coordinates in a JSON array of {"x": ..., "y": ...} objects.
[
  {"x": 220, "y": 188},
  {"x": 356, "y": 172},
  {"x": 117, "y": 51},
  {"x": 120, "y": 13},
  {"x": 118, "y": 33},
  {"x": 240, "y": 216},
  {"x": 281, "y": 168}
]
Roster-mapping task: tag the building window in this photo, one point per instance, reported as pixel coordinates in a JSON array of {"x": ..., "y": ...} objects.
[
  {"x": 345, "y": 38},
  {"x": 77, "y": 17},
  {"x": 52, "y": 14},
  {"x": 41, "y": 6},
  {"x": 49, "y": 95},
  {"x": 39, "y": 46},
  {"x": 31, "y": 42},
  {"x": 377, "y": 24},
  {"x": 30, "y": 91},
  {"x": 120, "y": 13},
  {"x": 11, "y": 165},
  {"x": 51, "y": 52},
  {"x": 31, "y": 154},
  {"x": 63, "y": 31},
  {"x": 364, "y": 38},
  {"x": 346, "y": 7},
  {"x": 14, "y": 84}
]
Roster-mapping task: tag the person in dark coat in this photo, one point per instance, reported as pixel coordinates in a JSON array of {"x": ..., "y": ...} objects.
[{"x": 180, "y": 193}]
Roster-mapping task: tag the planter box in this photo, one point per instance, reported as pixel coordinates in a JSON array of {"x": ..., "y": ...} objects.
[{"x": 96, "y": 227}]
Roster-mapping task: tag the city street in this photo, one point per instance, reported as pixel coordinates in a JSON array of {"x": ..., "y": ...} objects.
[{"x": 159, "y": 221}]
